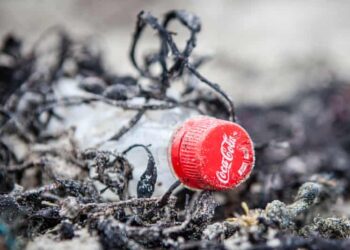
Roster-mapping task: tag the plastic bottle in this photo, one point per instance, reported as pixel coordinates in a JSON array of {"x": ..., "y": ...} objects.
[{"x": 202, "y": 152}]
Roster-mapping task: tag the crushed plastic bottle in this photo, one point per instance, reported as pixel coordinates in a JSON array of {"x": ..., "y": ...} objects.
[
  {"x": 104, "y": 121},
  {"x": 154, "y": 129},
  {"x": 202, "y": 152}
]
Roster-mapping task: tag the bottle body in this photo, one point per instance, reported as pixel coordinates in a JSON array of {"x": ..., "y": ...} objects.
[
  {"x": 103, "y": 121},
  {"x": 204, "y": 153},
  {"x": 155, "y": 129}
]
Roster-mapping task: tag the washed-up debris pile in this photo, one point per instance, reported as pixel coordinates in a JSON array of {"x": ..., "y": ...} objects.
[{"x": 295, "y": 198}]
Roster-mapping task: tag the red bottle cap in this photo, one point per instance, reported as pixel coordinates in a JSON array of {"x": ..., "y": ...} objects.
[{"x": 212, "y": 154}]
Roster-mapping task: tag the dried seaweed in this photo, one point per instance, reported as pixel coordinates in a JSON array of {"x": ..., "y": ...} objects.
[
  {"x": 55, "y": 189},
  {"x": 145, "y": 186}
]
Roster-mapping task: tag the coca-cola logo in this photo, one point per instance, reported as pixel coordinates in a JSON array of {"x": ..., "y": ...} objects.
[{"x": 227, "y": 149}]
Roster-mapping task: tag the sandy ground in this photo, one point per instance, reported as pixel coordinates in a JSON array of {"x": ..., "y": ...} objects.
[{"x": 262, "y": 50}]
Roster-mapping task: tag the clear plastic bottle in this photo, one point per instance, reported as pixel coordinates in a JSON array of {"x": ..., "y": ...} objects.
[
  {"x": 96, "y": 123},
  {"x": 154, "y": 129},
  {"x": 205, "y": 153}
]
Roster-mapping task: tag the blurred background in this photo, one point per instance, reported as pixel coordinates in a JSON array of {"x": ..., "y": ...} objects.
[{"x": 262, "y": 51}]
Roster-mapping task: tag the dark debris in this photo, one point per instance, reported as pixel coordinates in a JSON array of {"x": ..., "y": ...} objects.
[{"x": 301, "y": 173}]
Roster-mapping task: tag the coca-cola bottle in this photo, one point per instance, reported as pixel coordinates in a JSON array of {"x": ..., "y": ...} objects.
[{"x": 202, "y": 152}]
